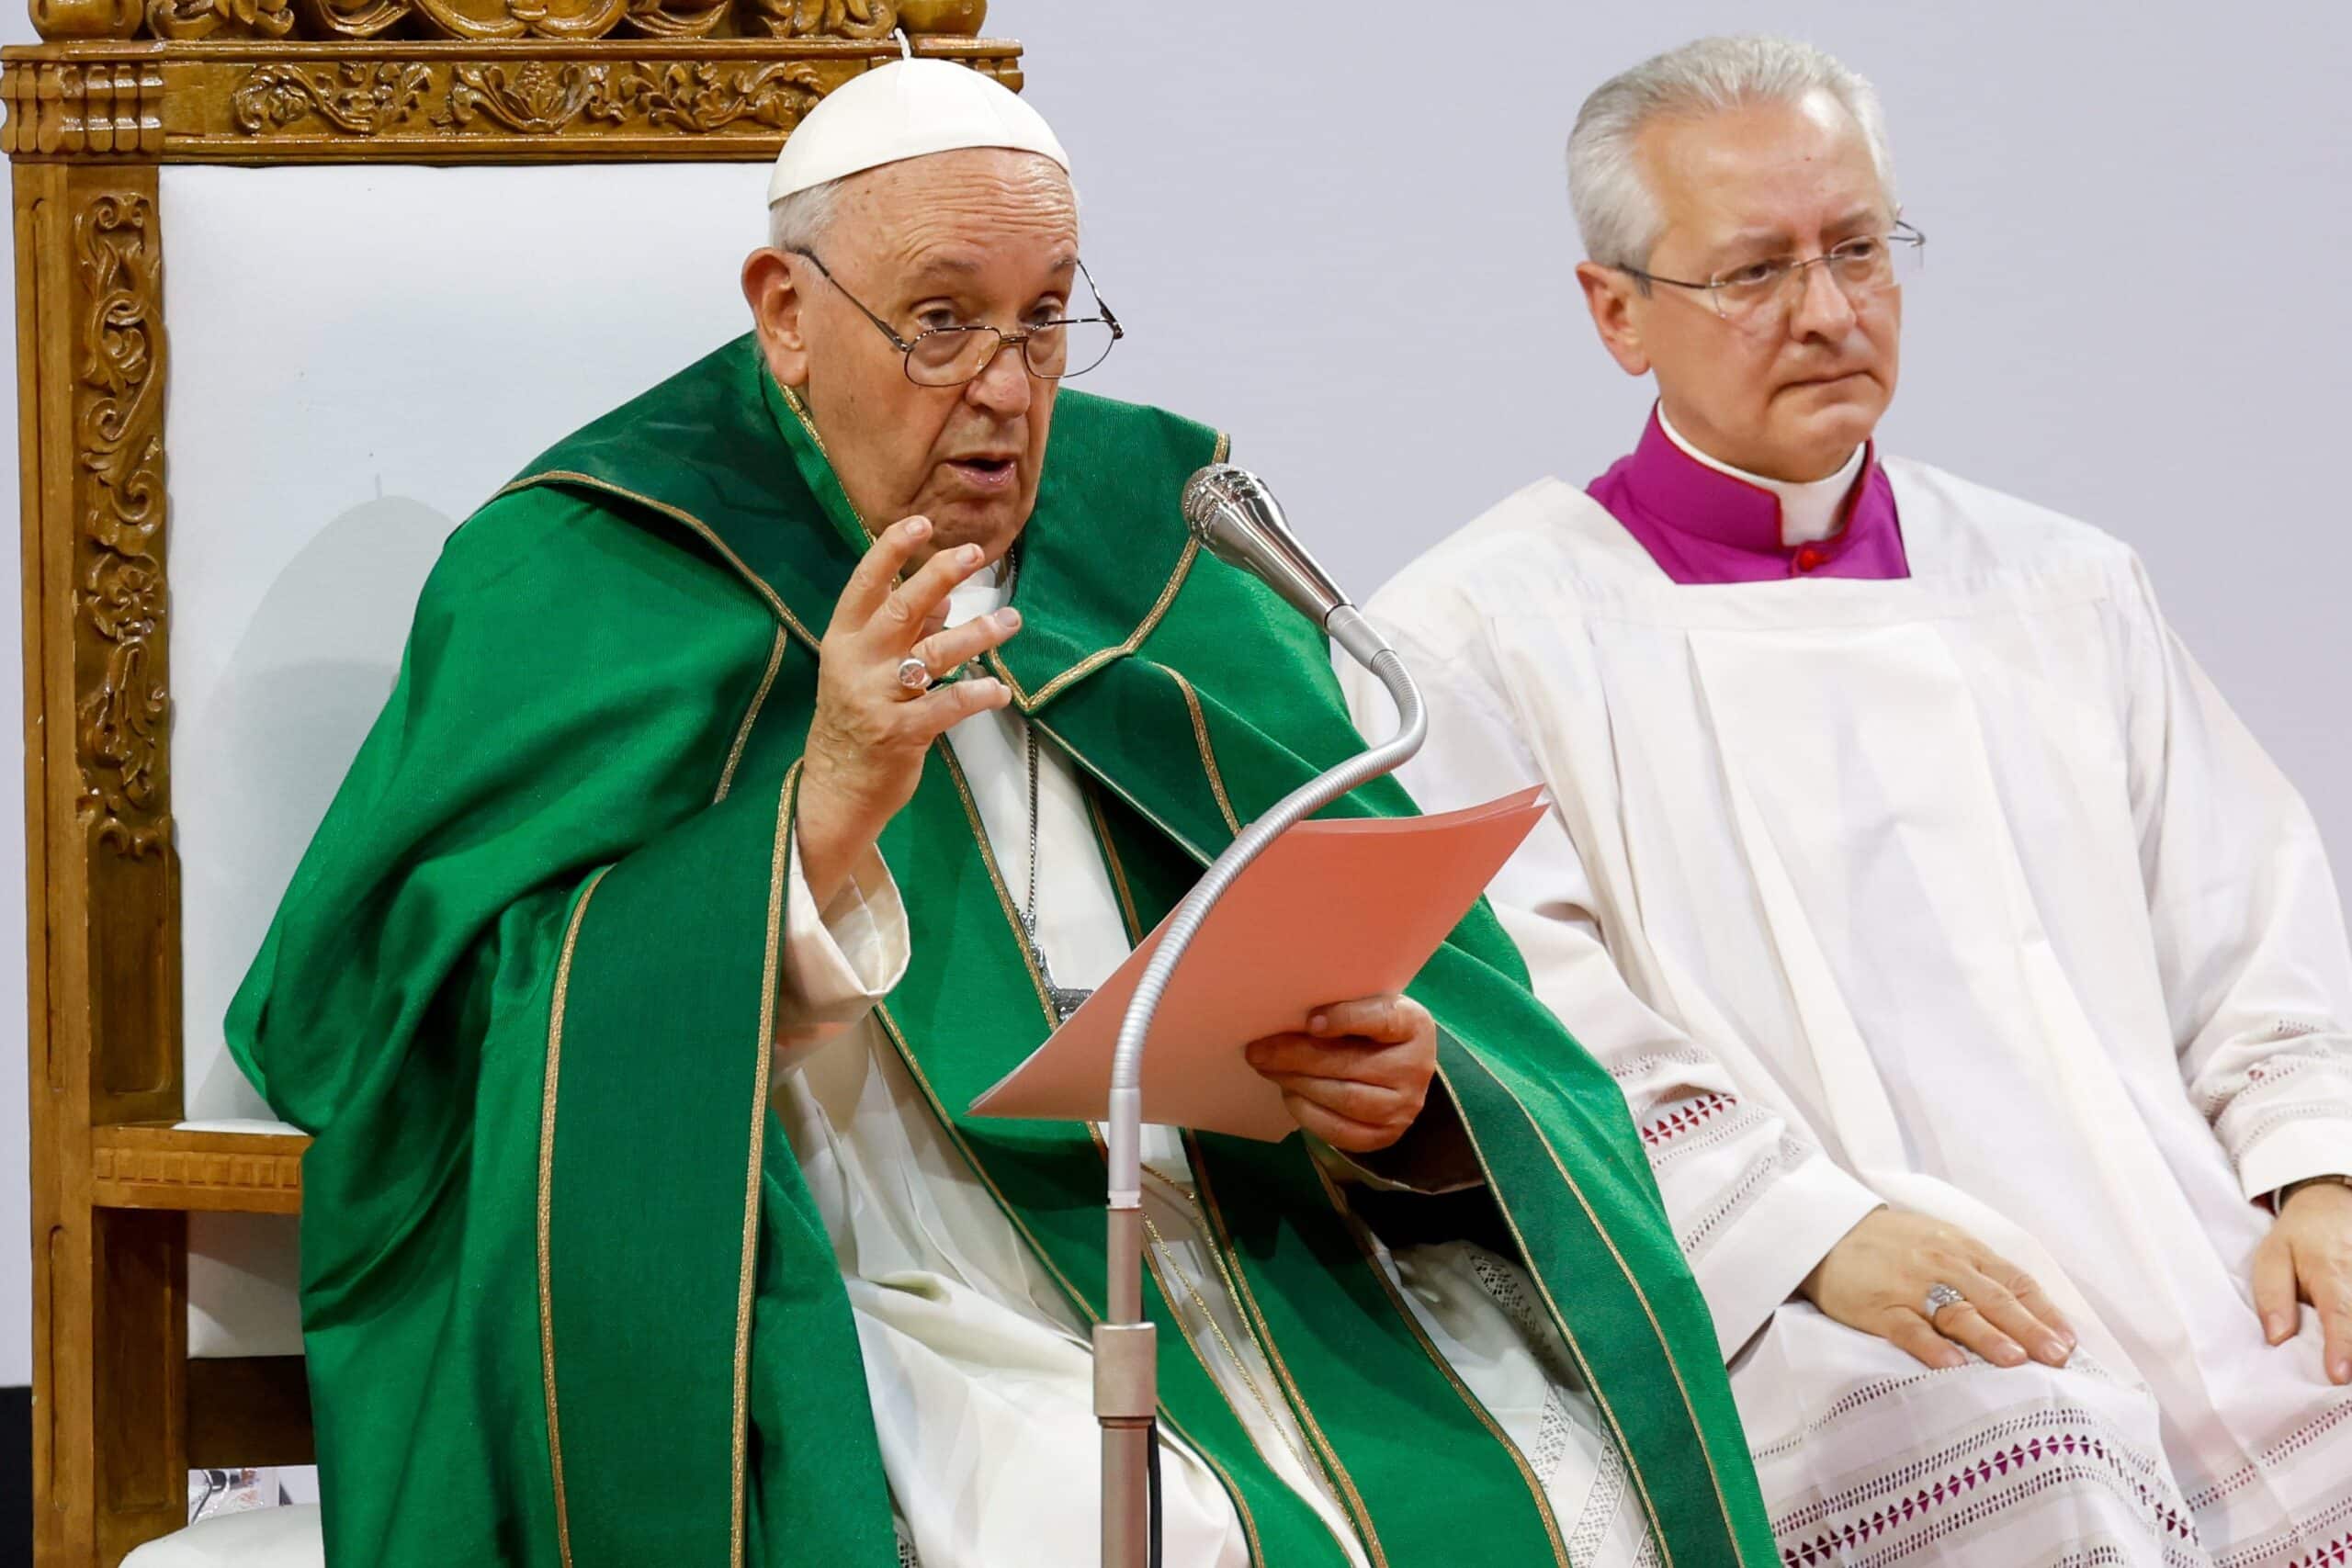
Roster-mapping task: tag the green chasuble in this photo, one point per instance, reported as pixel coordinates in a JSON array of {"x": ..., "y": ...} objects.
[{"x": 566, "y": 1298}]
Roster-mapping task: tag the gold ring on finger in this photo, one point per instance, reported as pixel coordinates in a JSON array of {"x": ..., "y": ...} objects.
[{"x": 914, "y": 675}]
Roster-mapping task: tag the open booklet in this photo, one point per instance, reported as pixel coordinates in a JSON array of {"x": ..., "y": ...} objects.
[{"x": 1333, "y": 910}]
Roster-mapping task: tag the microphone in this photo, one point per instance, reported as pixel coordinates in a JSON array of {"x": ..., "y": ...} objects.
[
  {"x": 1238, "y": 520},
  {"x": 1233, "y": 514}
]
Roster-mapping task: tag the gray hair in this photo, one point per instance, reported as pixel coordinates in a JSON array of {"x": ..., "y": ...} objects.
[
  {"x": 1616, "y": 211},
  {"x": 796, "y": 222}
]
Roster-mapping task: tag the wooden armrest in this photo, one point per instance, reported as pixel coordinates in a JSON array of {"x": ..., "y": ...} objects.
[{"x": 155, "y": 1164}]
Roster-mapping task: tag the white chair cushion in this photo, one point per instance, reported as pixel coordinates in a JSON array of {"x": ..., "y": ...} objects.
[{"x": 259, "y": 1537}]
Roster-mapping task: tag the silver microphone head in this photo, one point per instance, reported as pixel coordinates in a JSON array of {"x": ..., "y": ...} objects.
[{"x": 1237, "y": 519}]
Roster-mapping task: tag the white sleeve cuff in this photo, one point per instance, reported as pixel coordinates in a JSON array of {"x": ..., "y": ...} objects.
[
  {"x": 840, "y": 960},
  {"x": 2295, "y": 1151},
  {"x": 1764, "y": 1254}
]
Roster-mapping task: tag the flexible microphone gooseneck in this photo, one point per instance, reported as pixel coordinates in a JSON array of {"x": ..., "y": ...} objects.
[{"x": 1237, "y": 519}]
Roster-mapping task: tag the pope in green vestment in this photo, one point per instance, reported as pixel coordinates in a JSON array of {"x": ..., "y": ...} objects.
[{"x": 574, "y": 1293}]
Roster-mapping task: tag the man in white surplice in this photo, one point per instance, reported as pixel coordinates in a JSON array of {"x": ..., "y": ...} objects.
[{"x": 1979, "y": 985}]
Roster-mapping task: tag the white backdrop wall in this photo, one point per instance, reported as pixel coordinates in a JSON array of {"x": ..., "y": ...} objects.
[{"x": 1348, "y": 244}]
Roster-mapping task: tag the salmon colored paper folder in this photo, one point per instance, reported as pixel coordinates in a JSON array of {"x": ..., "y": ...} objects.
[{"x": 1332, "y": 912}]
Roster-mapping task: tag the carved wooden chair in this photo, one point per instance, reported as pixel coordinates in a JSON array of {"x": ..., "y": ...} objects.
[{"x": 328, "y": 327}]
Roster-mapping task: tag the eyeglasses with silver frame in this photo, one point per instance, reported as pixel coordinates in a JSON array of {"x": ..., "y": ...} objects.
[
  {"x": 1053, "y": 350},
  {"x": 1752, "y": 292}
]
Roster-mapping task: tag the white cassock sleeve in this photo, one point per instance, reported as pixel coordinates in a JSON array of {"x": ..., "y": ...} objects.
[
  {"x": 2248, "y": 926},
  {"x": 1753, "y": 1200},
  {"x": 837, "y": 961}
]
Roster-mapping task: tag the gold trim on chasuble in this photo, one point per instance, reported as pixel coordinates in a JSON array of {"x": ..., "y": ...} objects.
[
  {"x": 1119, "y": 873},
  {"x": 752, "y": 715},
  {"x": 779, "y": 862},
  {"x": 1338, "y": 1201},
  {"x": 780, "y": 859},
  {"x": 685, "y": 519},
  {"x": 1599, "y": 1397},
  {"x": 546, "y": 1207},
  {"x": 1221, "y": 1243},
  {"x": 1077, "y": 1299},
  {"x": 1320, "y": 1457},
  {"x": 1160, "y": 1247},
  {"x": 800, "y": 411},
  {"x": 1365, "y": 1243},
  {"x": 1029, "y": 701},
  {"x": 1723, "y": 1505},
  {"x": 1201, "y": 740}
]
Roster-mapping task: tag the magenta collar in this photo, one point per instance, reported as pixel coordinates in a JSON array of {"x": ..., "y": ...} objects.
[{"x": 1705, "y": 526}]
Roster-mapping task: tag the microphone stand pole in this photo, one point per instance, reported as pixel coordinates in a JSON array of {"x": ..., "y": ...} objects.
[{"x": 1127, "y": 1373}]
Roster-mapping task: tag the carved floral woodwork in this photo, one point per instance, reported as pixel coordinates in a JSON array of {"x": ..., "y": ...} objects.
[
  {"x": 203, "y": 18},
  {"x": 683, "y": 96},
  {"x": 354, "y": 96},
  {"x": 530, "y": 98},
  {"x": 452, "y": 80},
  {"x": 827, "y": 19},
  {"x": 704, "y": 98},
  {"x": 965, "y": 18},
  {"x": 118, "y": 419},
  {"x": 854, "y": 21},
  {"x": 658, "y": 18}
]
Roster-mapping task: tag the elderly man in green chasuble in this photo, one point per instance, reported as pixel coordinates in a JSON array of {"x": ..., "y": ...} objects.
[{"x": 770, "y": 763}]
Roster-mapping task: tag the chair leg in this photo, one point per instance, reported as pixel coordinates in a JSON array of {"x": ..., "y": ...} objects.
[{"x": 140, "y": 1380}]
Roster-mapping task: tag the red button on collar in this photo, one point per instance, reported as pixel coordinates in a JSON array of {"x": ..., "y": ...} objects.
[{"x": 1811, "y": 558}]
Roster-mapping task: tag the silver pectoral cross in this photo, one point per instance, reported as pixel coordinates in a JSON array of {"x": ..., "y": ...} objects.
[{"x": 1064, "y": 999}]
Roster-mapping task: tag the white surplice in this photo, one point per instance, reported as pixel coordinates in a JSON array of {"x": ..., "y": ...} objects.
[
  {"x": 1966, "y": 892},
  {"x": 979, "y": 1373}
]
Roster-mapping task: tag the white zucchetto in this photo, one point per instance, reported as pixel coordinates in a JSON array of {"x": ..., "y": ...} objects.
[{"x": 909, "y": 108}]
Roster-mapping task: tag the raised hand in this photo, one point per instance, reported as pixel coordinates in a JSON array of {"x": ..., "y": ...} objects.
[{"x": 869, "y": 733}]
